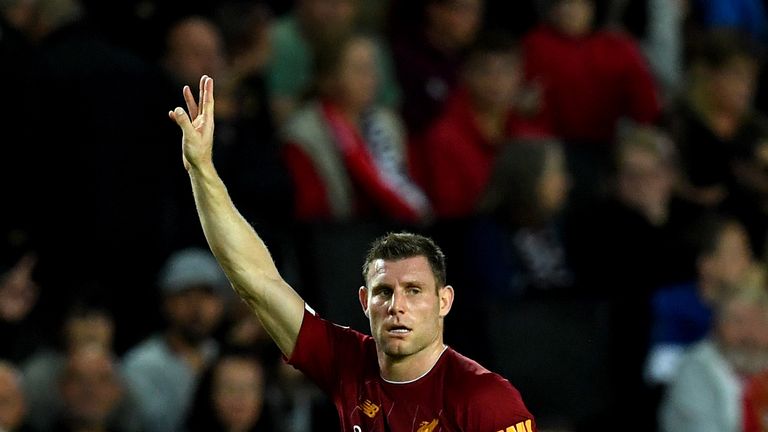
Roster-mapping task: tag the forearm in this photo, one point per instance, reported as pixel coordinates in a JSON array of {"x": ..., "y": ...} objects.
[{"x": 246, "y": 260}]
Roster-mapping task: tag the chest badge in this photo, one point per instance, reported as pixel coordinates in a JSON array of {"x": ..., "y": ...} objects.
[{"x": 369, "y": 408}]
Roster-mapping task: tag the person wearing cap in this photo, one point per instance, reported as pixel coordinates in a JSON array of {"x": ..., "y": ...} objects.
[{"x": 162, "y": 371}]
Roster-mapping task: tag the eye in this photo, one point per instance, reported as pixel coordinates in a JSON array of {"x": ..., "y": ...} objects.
[
  {"x": 383, "y": 292},
  {"x": 414, "y": 289}
]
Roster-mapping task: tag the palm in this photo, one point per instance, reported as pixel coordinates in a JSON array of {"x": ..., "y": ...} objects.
[{"x": 196, "y": 124}]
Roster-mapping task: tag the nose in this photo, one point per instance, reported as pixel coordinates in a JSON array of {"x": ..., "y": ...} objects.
[{"x": 397, "y": 303}]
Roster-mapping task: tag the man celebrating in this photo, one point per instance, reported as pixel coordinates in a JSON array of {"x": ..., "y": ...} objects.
[{"x": 403, "y": 378}]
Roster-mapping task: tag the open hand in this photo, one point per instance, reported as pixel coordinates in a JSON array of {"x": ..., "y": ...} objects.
[{"x": 196, "y": 125}]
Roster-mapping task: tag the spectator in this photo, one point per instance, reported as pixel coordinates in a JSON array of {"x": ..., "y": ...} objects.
[
  {"x": 627, "y": 245},
  {"x": 298, "y": 404},
  {"x": 347, "y": 154},
  {"x": 230, "y": 397},
  {"x": 637, "y": 234},
  {"x": 519, "y": 249},
  {"x": 194, "y": 47},
  {"x": 91, "y": 391},
  {"x": 85, "y": 325},
  {"x": 589, "y": 79},
  {"x": 234, "y": 47},
  {"x": 682, "y": 314},
  {"x": 721, "y": 136},
  {"x": 706, "y": 393},
  {"x": 13, "y": 409},
  {"x": 295, "y": 40},
  {"x": 162, "y": 371},
  {"x": 428, "y": 52},
  {"x": 481, "y": 116}
]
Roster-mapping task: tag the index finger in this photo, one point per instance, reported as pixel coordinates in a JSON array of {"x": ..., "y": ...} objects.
[{"x": 190, "y": 100}]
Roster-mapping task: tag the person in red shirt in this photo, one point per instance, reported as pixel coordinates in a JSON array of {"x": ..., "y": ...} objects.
[
  {"x": 589, "y": 78},
  {"x": 480, "y": 117},
  {"x": 403, "y": 377}
]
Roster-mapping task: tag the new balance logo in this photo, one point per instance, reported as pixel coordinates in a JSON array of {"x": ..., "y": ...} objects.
[{"x": 369, "y": 408}]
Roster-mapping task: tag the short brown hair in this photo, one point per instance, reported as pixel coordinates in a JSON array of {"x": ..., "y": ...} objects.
[{"x": 402, "y": 245}]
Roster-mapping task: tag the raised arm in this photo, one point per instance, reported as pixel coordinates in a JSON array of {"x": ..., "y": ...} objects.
[{"x": 241, "y": 253}]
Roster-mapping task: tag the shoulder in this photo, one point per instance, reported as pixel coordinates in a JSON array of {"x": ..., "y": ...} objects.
[
  {"x": 538, "y": 35},
  {"x": 619, "y": 44},
  {"x": 615, "y": 38},
  {"x": 699, "y": 361},
  {"x": 480, "y": 389},
  {"x": 483, "y": 400},
  {"x": 306, "y": 125},
  {"x": 344, "y": 339},
  {"x": 150, "y": 352}
]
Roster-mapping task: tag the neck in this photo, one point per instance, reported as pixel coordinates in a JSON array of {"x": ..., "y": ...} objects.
[
  {"x": 349, "y": 113},
  {"x": 491, "y": 123},
  {"x": 724, "y": 124},
  {"x": 192, "y": 354},
  {"x": 411, "y": 367}
]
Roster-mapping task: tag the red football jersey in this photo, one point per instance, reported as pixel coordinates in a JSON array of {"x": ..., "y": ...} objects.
[{"x": 457, "y": 394}]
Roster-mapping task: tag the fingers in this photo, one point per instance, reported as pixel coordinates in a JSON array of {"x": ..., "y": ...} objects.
[
  {"x": 182, "y": 119},
  {"x": 190, "y": 100},
  {"x": 200, "y": 96},
  {"x": 208, "y": 97},
  {"x": 204, "y": 106}
]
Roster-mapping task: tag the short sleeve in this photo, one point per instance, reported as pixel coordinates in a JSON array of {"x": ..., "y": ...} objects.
[
  {"x": 324, "y": 349},
  {"x": 496, "y": 405}
]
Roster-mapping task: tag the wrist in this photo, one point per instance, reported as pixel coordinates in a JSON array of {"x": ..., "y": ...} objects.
[{"x": 202, "y": 171}]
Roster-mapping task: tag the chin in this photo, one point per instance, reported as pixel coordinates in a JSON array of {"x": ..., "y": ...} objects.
[{"x": 397, "y": 350}]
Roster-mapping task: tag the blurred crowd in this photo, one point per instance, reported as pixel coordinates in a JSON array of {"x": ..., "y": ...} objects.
[{"x": 596, "y": 172}]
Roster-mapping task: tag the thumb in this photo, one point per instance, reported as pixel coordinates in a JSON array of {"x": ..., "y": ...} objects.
[{"x": 182, "y": 119}]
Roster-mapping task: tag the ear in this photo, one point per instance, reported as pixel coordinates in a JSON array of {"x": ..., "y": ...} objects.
[
  {"x": 362, "y": 294},
  {"x": 445, "y": 295}
]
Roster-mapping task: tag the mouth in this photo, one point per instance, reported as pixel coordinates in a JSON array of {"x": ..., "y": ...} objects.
[{"x": 398, "y": 330}]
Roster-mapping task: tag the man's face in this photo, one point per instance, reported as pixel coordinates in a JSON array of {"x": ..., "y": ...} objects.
[
  {"x": 195, "y": 48},
  {"x": 494, "y": 80},
  {"x": 328, "y": 18},
  {"x": 573, "y": 17},
  {"x": 194, "y": 313},
  {"x": 455, "y": 21},
  {"x": 733, "y": 85},
  {"x": 356, "y": 81},
  {"x": 644, "y": 179},
  {"x": 404, "y": 307},
  {"x": 90, "y": 387},
  {"x": 238, "y": 392}
]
